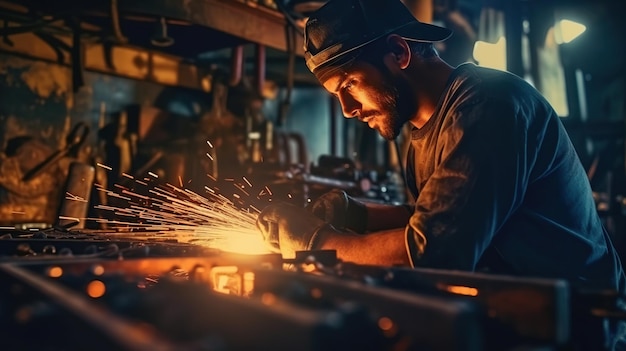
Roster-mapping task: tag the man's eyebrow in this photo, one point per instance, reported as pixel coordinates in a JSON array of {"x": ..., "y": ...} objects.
[{"x": 341, "y": 80}]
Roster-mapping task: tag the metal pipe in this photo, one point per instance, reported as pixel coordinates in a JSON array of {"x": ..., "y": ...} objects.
[
  {"x": 260, "y": 67},
  {"x": 115, "y": 23},
  {"x": 236, "y": 65}
]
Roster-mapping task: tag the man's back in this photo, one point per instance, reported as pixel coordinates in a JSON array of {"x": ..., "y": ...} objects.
[{"x": 507, "y": 181}]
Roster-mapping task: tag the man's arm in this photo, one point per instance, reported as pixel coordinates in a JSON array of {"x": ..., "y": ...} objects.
[
  {"x": 384, "y": 248},
  {"x": 385, "y": 217},
  {"x": 287, "y": 228},
  {"x": 358, "y": 215}
]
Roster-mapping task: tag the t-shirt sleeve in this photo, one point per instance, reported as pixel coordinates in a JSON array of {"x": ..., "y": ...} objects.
[{"x": 482, "y": 159}]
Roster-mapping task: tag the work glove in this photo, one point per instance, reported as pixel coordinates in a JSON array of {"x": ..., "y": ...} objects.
[
  {"x": 287, "y": 228},
  {"x": 342, "y": 211}
]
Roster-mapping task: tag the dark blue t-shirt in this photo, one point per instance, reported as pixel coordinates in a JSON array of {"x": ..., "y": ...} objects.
[{"x": 498, "y": 183}]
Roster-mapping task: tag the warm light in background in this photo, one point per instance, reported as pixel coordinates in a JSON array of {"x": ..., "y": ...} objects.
[
  {"x": 460, "y": 290},
  {"x": 385, "y": 323},
  {"x": 491, "y": 55},
  {"x": 566, "y": 31},
  {"x": 96, "y": 289},
  {"x": 55, "y": 272},
  {"x": 97, "y": 270}
]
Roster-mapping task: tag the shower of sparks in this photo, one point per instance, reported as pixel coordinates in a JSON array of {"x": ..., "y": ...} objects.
[
  {"x": 104, "y": 166},
  {"x": 73, "y": 197},
  {"x": 168, "y": 211},
  {"x": 74, "y": 219},
  {"x": 247, "y": 181}
]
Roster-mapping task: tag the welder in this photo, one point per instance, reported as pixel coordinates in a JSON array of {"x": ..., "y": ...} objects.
[{"x": 497, "y": 183}]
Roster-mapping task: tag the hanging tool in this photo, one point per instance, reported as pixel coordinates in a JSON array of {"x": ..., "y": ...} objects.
[{"x": 74, "y": 140}]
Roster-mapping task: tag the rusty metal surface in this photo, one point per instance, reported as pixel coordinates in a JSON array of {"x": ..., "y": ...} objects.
[{"x": 34, "y": 200}]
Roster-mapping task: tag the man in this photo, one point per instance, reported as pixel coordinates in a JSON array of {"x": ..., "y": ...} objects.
[{"x": 497, "y": 182}]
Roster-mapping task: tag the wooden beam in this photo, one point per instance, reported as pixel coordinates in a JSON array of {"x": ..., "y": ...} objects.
[
  {"x": 258, "y": 24},
  {"x": 127, "y": 62}
]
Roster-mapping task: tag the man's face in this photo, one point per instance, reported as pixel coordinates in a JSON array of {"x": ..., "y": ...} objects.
[{"x": 374, "y": 96}]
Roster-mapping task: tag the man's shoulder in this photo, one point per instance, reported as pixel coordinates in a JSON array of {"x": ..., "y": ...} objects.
[
  {"x": 476, "y": 83},
  {"x": 492, "y": 78}
]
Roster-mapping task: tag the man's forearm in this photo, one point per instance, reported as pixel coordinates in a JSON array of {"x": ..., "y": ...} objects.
[
  {"x": 385, "y": 248},
  {"x": 386, "y": 217}
]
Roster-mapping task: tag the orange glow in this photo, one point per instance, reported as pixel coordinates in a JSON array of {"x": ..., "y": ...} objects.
[
  {"x": 308, "y": 267},
  {"x": 268, "y": 299},
  {"x": 98, "y": 270},
  {"x": 385, "y": 324},
  {"x": 226, "y": 279},
  {"x": 248, "y": 283},
  {"x": 96, "y": 289},
  {"x": 222, "y": 282},
  {"x": 316, "y": 293},
  {"x": 55, "y": 272},
  {"x": 247, "y": 245},
  {"x": 461, "y": 290},
  {"x": 23, "y": 315}
]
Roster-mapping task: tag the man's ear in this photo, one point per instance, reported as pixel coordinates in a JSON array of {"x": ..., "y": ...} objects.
[{"x": 400, "y": 50}]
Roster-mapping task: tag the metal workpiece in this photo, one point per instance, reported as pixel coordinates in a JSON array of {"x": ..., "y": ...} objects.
[{"x": 129, "y": 294}]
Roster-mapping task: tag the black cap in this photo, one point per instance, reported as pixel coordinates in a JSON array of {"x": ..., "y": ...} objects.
[{"x": 342, "y": 26}]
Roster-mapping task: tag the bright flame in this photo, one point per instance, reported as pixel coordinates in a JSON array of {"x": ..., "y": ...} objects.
[
  {"x": 248, "y": 244},
  {"x": 566, "y": 31},
  {"x": 491, "y": 55}
]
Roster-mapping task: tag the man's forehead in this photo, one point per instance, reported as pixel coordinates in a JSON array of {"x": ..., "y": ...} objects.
[{"x": 332, "y": 83}]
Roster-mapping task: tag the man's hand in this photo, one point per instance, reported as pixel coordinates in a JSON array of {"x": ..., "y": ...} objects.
[
  {"x": 287, "y": 228},
  {"x": 342, "y": 211}
]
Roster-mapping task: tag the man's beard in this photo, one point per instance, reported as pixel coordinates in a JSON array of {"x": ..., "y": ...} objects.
[{"x": 395, "y": 105}]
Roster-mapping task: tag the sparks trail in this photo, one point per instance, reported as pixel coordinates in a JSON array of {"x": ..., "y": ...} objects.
[{"x": 168, "y": 211}]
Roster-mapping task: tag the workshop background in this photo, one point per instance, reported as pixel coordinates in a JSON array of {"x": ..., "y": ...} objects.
[{"x": 211, "y": 98}]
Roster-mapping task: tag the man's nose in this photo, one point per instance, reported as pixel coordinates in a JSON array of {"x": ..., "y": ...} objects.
[{"x": 349, "y": 106}]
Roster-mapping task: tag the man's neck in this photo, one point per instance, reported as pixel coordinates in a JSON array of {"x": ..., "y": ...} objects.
[{"x": 429, "y": 80}]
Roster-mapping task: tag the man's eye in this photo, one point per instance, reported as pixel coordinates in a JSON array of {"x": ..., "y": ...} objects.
[{"x": 348, "y": 85}]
